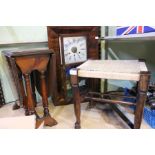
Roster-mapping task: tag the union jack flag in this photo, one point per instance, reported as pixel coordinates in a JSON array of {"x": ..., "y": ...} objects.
[{"x": 126, "y": 30}]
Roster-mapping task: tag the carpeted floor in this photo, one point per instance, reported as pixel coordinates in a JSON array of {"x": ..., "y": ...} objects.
[{"x": 99, "y": 117}]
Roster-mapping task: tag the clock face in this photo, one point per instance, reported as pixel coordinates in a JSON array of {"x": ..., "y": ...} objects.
[{"x": 75, "y": 49}]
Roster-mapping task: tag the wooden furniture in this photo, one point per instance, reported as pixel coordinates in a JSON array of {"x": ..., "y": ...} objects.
[
  {"x": 57, "y": 42},
  {"x": 23, "y": 63},
  {"x": 2, "y": 99},
  {"x": 112, "y": 69}
]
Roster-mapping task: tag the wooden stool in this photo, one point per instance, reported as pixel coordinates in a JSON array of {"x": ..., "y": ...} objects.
[
  {"x": 28, "y": 61},
  {"x": 133, "y": 70}
]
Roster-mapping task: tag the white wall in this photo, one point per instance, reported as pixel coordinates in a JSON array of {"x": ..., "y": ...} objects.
[{"x": 18, "y": 34}]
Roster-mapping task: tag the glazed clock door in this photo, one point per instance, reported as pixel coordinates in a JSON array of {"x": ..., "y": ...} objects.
[
  {"x": 72, "y": 45},
  {"x": 73, "y": 49},
  {"x": 73, "y": 52}
]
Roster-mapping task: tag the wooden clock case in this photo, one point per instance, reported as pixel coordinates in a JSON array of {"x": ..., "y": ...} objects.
[{"x": 93, "y": 48}]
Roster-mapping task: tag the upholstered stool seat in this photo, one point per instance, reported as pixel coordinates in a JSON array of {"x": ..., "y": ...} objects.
[
  {"x": 112, "y": 69},
  {"x": 133, "y": 70}
]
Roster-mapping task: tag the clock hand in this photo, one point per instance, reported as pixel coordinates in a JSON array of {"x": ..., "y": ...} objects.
[
  {"x": 78, "y": 55},
  {"x": 74, "y": 57}
]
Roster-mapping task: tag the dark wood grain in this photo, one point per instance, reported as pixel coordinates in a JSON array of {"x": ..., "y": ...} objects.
[
  {"x": 54, "y": 32},
  {"x": 141, "y": 98},
  {"x": 110, "y": 101},
  {"x": 76, "y": 100}
]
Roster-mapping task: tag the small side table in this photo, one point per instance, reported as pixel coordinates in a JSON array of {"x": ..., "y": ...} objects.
[
  {"x": 26, "y": 62},
  {"x": 133, "y": 70}
]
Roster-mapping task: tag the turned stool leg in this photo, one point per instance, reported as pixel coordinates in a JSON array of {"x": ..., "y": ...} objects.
[
  {"x": 76, "y": 99},
  {"x": 48, "y": 120},
  {"x": 141, "y": 98},
  {"x": 30, "y": 101},
  {"x": 77, "y": 107}
]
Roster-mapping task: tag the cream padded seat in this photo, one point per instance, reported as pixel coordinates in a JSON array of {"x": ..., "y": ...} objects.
[{"x": 111, "y": 69}]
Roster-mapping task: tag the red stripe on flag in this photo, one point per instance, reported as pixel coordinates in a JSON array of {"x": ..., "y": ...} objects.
[
  {"x": 140, "y": 28},
  {"x": 129, "y": 29}
]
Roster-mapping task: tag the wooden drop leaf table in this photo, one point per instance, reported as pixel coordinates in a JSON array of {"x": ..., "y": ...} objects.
[{"x": 26, "y": 62}]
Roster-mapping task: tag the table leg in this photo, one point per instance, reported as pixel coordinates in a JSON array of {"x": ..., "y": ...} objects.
[
  {"x": 141, "y": 98},
  {"x": 24, "y": 97},
  {"x": 48, "y": 120},
  {"x": 76, "y": 99},
  {"x": 33, "y": 86},
  {"x": 15, "y": 106},
  {"x": 30, "y": 101},
  {"x": 14, "y": 72}
]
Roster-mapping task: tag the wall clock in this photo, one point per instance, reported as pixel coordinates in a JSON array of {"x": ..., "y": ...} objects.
[
  {"x": 72, "y": 45},
  {"x": 73, "y": 49}
]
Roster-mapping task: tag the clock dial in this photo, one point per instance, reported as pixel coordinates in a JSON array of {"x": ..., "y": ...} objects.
[{"x": 75, "y": 49}]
